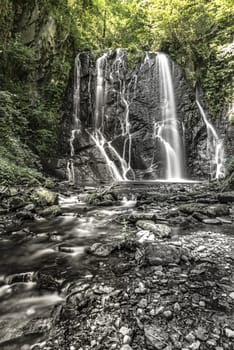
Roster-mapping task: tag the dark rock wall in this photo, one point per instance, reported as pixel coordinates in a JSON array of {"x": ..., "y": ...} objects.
[{"x": 141, "y": 92}]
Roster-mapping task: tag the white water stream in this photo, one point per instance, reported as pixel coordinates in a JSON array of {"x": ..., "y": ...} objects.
[
  {"x": 167, "y": 130},
  {"x": 215, "y": 150}
]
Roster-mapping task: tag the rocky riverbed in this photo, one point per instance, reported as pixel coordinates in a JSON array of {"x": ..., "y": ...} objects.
[{"x": 135, "y": 266}]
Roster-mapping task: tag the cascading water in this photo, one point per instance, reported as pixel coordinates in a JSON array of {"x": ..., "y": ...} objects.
[
  {"x": 130, "y": 117},
  {"x": 167, "y": 130},
  {"x": 108, "y": 151},
  {"x": 75, "y": 118},
  {"x": 215, "y": 150}
]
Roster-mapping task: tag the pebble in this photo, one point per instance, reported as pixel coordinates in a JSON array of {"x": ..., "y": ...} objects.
[
  {"x": 229, "y": 333},
  {"x": 201, "y": 333},
  {"x": 126, "y": 347},
  {"x": 231, "y": 295},
  {"x": 168, "y": 314},
  {"x": 177, "y": 307},
  {"x": 125, "y": 331},
  {"x": 190, "y": 338},
  {"x": 127, "y": 339},
  {"x": 143, "y": 303},
  {"x": 195, "y": 345},
  {"x": 211, "y": 342}
]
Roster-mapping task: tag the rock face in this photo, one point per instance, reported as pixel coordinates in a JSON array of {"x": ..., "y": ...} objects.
[{"x": 117, "y": 115}]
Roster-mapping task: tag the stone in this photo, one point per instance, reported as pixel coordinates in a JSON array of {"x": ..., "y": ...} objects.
[
  {"x": 143, "y": 303},
  {"x": 168, "y": 314},
  {"x": 126, "y": 347},
  {"x": 211, "y": 221},
  {"x": 231, "y": 295},
  {"x": 229, "y": 333},
  {"x": 211, "y": 342},
  {"x": 44, "y": 197},
  {"x": 195, "y": 346},
  {"x": 201, "y": 333},
  {"x": 190, "y": 338},
  {"x": 51, "y": 211},
  {"x": 160, "y": 230},
  {"x": 144, "y": 236},
  {"x": 102, "y": 250},
  {"x": 162, "y": 254},
  {"x": 127, "y": 339},
  {"x": 218, "y": 210},
  {"x": 226, "y": 197},
  {"x": 224, "y": 220},
  {"x": 141, "y": 289},
  {"x": 155, "y": 336},
  {"x": 125, "y": 331}
]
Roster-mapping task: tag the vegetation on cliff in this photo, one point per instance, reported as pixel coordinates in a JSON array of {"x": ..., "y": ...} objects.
[{"x": 40, "y": 38}]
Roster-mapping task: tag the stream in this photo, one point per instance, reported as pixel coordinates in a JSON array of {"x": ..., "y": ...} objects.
[
  {"x": 56, "y": 249},
  {"x": 45, "y": 256}
]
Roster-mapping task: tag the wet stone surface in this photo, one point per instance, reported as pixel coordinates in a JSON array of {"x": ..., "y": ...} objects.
[{"x": 97, "y": 279}]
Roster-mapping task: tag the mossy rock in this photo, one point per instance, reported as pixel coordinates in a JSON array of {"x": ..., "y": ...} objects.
[
  {"x": 101, "y": 199},
  {"x": 43, "y": 197},
  {"x": 52, "y": 211}
]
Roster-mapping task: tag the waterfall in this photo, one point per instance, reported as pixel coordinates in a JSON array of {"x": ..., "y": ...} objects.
[
  {"x": 131, "y": 127},
  {"x": 215, "y": 150},
  {"x": 105, "y": 146},
  {"x": 167, "y": 130},
  {"x": 75, "y": 127}
]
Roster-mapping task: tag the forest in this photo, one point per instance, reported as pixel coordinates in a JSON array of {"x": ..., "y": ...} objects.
[
  {"x": 116, "y": 174},
  {"x": 39, "y": 40}
]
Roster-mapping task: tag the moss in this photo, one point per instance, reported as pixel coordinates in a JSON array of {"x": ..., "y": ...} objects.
[
  {"x": 13, "y": 174},
  {"x": 44, "y": 197},
  {"x": 51, "y": 211}
]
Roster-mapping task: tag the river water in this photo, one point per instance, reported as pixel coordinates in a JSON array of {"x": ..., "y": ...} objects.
[{"x": 41, "y": 260}]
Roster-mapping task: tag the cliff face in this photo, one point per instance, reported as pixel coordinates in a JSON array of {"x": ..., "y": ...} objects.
[{"x": 127, "y": 116}]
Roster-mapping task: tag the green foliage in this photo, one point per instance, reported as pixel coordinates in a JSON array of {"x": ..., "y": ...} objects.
[
  {"x": 44, "y": 197},
  {"x": 13, "y": 174},
  {"x": 34, "y": 73}
]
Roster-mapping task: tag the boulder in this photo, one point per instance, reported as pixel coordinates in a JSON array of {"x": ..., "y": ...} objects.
[
  {"x": 226, "y": 197},
  {"x": 43, "y": 197},
  {"x": 162, "y": 254},
  {"x": 160, "y": 230}
]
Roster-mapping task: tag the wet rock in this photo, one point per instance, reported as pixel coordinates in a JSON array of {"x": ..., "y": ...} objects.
[
  {"x": 218, "y": 210},
  {"x": 102, "y": 250},
  {"x": 101, "y": 198},
  {"x": 30, "y": 207},
  {"x": 121, "y": 267},
  {"x": 224, "y": 220},
  {"x": 16, "y": 202},
  {"x": 229, "y": 333},
  {"x": 124, "y": 330},
  {"x": 127, "y": 339},
  {"x": 201, "y": 333},
  {"x": 162, "y": 254},
  {"x": 160, "y": 230},
  {"x": 25, "y": 215},
  {"x": 168, "y": 314},
  {"x": 46, "y": 281},
  {"x": 126, "y": 347},
  {"x": 144, "y": 236},
  {"x": 155, "y": 336},
  {"x": 43, "y": 197},
  {"x": 195, "y": 346},
  {"x": 211, "y": 221},
  {"x": 51, "y": 211},
  {"x": 226, "y": 197},
  {"x": 11, "y": 329},
  {"x": 20, "y": 277}
]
